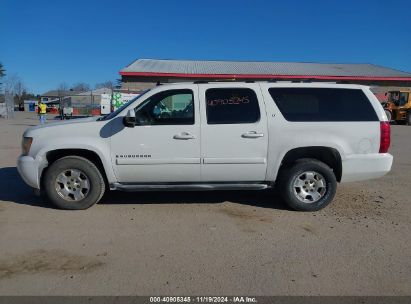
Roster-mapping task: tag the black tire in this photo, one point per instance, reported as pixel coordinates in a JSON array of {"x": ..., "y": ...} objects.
[
  {"x": 89, "y": 171},
  {"x": 291, "y": 173},
  {"x": 408, "y": 118}
]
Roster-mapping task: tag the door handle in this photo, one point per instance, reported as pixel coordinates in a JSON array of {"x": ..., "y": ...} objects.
[
  {"x": 252, "y": 134},
  {"x": 184, "y": 136}
]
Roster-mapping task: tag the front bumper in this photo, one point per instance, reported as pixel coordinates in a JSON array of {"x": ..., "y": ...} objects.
[
  {"x": 30, "y": 170},
  {"x": 366, "y": 166}
]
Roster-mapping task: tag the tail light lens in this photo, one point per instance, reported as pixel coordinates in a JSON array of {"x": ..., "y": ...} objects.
[{"x": 385, "y": 136}]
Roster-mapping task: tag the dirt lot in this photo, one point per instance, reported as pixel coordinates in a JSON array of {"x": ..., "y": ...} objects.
[{"x": 206, "y": 243}]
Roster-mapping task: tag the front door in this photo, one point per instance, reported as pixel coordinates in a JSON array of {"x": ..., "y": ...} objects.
[
  {"x": 164, "y": 146},
  {"x": 234, "y": 135}
]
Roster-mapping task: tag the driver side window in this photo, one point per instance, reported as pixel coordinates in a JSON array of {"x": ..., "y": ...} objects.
[{"x": 172, "y": 107}]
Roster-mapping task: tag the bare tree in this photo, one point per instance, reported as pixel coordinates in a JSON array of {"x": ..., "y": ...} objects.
[
  {"x": 106, "y": 84},
  {"x": 14, "y": 84},
  {"x": 10, "y": 82},
  {"x": 62, "y": 87},
  {"x": 19, "y": 88},
  {"x": 80, "y": 87}
]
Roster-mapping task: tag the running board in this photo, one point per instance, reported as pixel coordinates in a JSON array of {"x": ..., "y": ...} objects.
[{"x": 189, "y": 186}]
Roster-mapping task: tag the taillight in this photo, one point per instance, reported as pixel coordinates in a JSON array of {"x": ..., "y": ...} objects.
[{"x": 385, "y": 136}]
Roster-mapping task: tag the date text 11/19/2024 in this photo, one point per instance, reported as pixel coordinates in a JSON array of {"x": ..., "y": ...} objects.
[{"x": 203, "y": 299}]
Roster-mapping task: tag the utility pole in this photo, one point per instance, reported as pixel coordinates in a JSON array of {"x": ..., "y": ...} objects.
[
  {"x": 61, "y": 105},
  {"x": 9, "y": 101}
]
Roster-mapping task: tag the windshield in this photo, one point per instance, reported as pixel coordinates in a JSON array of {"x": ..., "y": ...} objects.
[{"x": 116, "y": 112}]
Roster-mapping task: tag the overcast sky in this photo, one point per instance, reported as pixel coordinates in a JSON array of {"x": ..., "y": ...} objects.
[{"x": 49, "y": 42}]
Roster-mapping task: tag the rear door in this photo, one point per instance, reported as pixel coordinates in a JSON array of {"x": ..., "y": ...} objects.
[{"x": 234, "y": 135}]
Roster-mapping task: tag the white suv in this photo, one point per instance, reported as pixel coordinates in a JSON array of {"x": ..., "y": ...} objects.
[{"x": 302, "y": 137}]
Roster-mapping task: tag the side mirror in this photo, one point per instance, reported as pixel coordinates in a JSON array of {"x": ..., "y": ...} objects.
[{"x": 130, "y": 119}]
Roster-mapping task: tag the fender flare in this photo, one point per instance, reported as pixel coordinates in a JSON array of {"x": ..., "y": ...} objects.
[{"x": 106, "y": 161}]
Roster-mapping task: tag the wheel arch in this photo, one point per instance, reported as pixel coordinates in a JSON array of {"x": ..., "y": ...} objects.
[
  {"x": 53, "y": 155},
  {"x": 330, "y": 156}
]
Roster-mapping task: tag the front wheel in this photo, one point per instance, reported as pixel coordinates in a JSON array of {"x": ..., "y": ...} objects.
[
  {"x": 408, "y": 119},
  {"x": 74, "y": 183},
  {"x": 307, "y": 185}
]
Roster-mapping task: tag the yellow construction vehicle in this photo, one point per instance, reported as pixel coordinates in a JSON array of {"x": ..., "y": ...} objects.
[{"x": 398, "y": 106}]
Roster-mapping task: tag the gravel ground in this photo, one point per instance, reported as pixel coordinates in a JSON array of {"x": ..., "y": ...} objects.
[{"x": 206, "y": 243}]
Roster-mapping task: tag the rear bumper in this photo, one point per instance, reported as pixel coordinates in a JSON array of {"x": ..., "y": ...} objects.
[
  {"x": 365, "y": 166},
  {"x": 29, "y": 170}
]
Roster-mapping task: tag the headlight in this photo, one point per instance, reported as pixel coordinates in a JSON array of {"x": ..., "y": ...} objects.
[{"x": 25, "y": 145}]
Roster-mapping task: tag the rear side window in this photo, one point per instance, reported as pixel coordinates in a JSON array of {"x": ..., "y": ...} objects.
[
  {"x": 232, "y": 106},
  {"x": 323, "y": 104}
]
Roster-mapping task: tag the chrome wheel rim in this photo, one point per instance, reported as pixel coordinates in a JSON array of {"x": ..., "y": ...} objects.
[
  {"x": 310, "y": 187},
  {"x": 72, "y": 185}
]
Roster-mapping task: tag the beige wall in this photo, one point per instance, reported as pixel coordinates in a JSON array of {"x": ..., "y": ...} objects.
[
  {"x": 137, "y": 86},
  {"x": 383, "y": 89}
]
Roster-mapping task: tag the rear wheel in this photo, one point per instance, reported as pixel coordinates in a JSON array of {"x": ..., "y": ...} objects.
[
  {"x": 74, "y": 183},
  {"x": 307, "y": 185}
]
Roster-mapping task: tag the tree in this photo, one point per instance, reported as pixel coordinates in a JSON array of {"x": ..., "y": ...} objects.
[
  {"x": 106, "y": 84},
  {"x": 2, "y": 70},
  {"x": 62, "y": 87},
  {"x": 15, "y": 86},
  {"x": 2, "y": 74},
  {"x": 80, "y": 87},
  {"x": 19, "y": 87}
]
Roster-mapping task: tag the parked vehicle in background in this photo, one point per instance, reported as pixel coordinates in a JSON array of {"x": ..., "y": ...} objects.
[
  {"x": 67, "y": 112},
  {"x": 302, "y": 137},
  {"x": 398, "y": 107}
]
